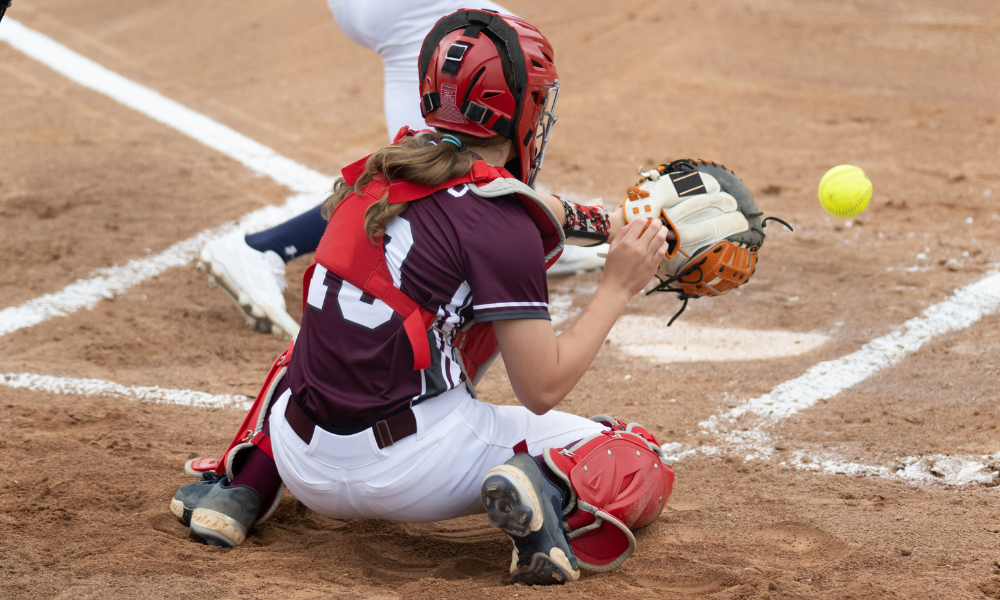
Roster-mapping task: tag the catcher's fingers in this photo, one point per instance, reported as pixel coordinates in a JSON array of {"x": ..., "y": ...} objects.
[
  {"x": 657, "y": 247},
  {"x": 643, "y": 235},
  {"x": 631, "y": 231},
  {"x": 656, "y": 257},
  {"x": 635, "y": 256},
  {"x": 653, "y": 233},
  {"x": 670, "y": 234}
]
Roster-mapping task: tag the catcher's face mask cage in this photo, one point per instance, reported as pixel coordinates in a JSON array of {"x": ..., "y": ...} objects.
[
  {"x": 465, "y": 63},
  {"x": 548, "y": 120},
  {"x": 4, "y": 5}
]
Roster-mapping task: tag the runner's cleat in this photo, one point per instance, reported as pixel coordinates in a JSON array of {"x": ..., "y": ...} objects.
[
  {"x": 186, "y": 498},
  {"x": 254, "y": 280},
  {"x": 528, "y": 507},
  {"x": 576, "y": 259},
  {"x": 223, "y": 514}
]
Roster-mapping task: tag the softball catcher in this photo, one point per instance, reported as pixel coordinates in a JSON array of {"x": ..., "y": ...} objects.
[{"x": 433, "y": 264}]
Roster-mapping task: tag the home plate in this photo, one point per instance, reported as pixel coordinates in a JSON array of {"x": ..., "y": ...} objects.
[{"x": 649, "y": 337}]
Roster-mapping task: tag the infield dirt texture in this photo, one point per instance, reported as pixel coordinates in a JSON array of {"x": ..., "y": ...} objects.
[{"x": 884, "y": 490}]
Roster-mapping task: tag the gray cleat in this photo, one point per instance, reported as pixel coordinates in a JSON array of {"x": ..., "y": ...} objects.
[
  {"x": 186, "y": 498},
  {"x": 528, "y": 507},
  {"x": 224, "y": 514}
]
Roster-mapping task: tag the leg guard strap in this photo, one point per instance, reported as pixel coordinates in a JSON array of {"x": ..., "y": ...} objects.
[{"x": 263, "y": 442}]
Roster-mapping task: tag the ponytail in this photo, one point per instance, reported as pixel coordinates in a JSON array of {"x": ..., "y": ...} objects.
[{"x": 426, "y": 159}]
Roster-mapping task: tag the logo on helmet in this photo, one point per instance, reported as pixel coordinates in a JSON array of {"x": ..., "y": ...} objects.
[{"x": 449, "y": 105}]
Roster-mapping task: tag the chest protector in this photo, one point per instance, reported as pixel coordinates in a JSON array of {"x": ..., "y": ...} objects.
[{"x": 346, "y": 251}]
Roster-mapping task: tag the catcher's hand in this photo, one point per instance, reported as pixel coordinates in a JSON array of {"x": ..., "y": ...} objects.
[{"x": 714, "y": 218}]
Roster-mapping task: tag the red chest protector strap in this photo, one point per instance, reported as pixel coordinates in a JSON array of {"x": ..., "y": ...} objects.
[{"x": 346, "y": 251}]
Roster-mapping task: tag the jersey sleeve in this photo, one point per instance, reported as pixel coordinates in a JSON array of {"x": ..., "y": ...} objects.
[{"x": 505, "y": 266}]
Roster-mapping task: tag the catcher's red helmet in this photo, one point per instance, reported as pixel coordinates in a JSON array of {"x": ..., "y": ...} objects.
[{"x": 463, "y": 86}]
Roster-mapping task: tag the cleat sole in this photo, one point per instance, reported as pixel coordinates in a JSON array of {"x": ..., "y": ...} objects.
[
  {"x": 177, "y": 507},
  {"x": 545, "y": 570},
  {"x": 510, "y": 501},
  {"x": 216, "y": 529},
  {"x": 512, "y": 504}
]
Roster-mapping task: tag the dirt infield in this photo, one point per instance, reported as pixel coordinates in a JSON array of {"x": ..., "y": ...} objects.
[{"x": 780, "y": 91}]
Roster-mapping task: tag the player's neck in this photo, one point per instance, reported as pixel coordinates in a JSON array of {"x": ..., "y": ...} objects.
[{"x": 495, "y": 155}]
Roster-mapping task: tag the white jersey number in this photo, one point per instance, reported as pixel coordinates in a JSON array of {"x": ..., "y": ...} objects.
[{"x": 354, "y": 304}]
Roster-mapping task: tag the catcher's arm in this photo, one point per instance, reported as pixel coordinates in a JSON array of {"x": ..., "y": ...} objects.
[
  {"x": 587, "y": 225},
  {"x": 544, "y": 367}
]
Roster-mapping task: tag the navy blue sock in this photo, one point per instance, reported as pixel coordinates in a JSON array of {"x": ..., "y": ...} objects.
[{"x": 296, "y": 236}]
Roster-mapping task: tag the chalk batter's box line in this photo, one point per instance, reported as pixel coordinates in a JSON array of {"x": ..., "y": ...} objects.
[{"x": 786, "y": 399}]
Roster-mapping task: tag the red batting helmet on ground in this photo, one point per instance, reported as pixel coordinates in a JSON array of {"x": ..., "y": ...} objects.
[{"x": 464, "y": 87}]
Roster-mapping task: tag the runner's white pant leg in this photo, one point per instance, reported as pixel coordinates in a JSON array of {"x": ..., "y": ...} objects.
[
  {"x": 402, "y": 94},
  {"x": 396, "y": 29},
  {"x": 431, "y": 476}
]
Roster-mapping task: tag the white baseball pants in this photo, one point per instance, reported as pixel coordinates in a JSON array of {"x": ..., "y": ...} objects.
[{"x": 432, "y": 475}]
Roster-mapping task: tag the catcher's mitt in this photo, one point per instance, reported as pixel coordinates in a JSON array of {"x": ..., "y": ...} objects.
[{"x": 718, "y": 226}]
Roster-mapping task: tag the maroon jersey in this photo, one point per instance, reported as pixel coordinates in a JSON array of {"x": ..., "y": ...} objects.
[{"x": 457, "y": 255}]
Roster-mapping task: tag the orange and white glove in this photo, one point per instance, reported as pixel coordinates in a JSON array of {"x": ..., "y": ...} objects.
[{"x": 715, "y": 219}]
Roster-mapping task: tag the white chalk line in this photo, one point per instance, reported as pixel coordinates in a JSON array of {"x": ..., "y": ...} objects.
[
  {"x": 827, "y": 379},
  {"x": 99, "y": 387},
  {"x": 89, "y": 74},
  {"x": 931, "y": 469},
  {"x": 741, "y": 429},
  {"x": 928, "y": 469},
  {"x": 783, "y": 401},
  {"x": 107, "y": 283},
  {"x": 112, "y": 281}
]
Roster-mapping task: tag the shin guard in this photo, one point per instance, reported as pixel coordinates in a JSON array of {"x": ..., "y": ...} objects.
[
  {"x": 250, "y": 433},
  {"x": 618, "y": 481}
]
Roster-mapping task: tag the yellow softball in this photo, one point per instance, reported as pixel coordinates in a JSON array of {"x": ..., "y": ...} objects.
[{"x": 845, "y": 191}]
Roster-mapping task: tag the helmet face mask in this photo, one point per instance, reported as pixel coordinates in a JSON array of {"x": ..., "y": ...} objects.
[
  {"x": 547, "y": 120},
  {"x": 485, "y": 74}
]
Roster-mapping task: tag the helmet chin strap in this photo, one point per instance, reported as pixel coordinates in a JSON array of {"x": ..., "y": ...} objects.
[{"x": 549, "y": 118}]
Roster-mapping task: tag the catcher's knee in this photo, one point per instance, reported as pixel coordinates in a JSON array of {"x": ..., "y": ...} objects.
[{"x": 618, "y": 481}]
